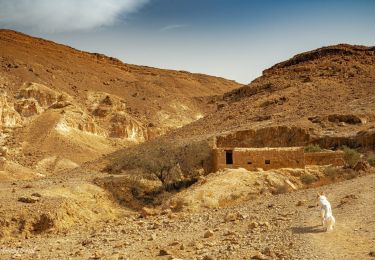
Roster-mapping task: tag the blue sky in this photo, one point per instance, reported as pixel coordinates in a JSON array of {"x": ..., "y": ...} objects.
[{"x": 235, "y": 39}]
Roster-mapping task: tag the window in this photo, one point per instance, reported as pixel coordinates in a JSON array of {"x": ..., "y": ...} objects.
[
  {"x": 229, "y": 157},
  {"x": 249, "y": 162},
  {"x": 267, "y": 161}
]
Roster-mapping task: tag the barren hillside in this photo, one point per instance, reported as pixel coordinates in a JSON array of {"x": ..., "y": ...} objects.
[
  {"x": 61, "y": 106},
  {"x": 325, "y": 96},
  {"x": 328, "y": 91},
  {"x": 70, "y": 189}
]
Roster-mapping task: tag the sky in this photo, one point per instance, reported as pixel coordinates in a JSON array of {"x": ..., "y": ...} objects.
[{"x": 234, "y": 39}]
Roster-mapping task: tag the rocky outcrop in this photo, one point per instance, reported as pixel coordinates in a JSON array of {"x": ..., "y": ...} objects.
[
  {"x": 102, "y": 104},
  {"x": 79, "y": 120},
  {"x": 278, "y": 136},
  {"x": 123, "y": 126},
  {"x": 110, "y": 110},
  {"x": 8, "y": 115},
  {"x": 34, "y": 98}
]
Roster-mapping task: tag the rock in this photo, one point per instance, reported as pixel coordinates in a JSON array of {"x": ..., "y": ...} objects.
[
  {"x": 300, "y": 203},
  {"x": 208, "y": 234},
  {"x": 145, "y": 212},
  {"x": 253, "y": 225},
  {"x": 268, "y": 252},
  {"x": 152, "y": 237},
  {"x": 230, "y": 217},
  {"x": 290, "y": 185},
  {"x": 114, "y": 256},
  {"x": 97, "y": 255},
  {"x": 229, "y": 233},
  {"x": 164, "y": 252},
  {"x": 182, "y": 247},
  {"x": 361, "y": 166},
  {"x": 86, "y": 242},
  {"x": 265, "y": 224},
  {"x": 372, "y": 253},
  {"x": 2, "y": 163},
  {"x": 259, "y": 256},
  {"x": 208, "y": 257},
  {"x": 31, "y": 199},
  {"x": 198, "y": 246},
  {"x": 3, "y": 151}
]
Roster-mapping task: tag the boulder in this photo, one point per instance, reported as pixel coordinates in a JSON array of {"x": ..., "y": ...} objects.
[{"x": 361, "y": 166}]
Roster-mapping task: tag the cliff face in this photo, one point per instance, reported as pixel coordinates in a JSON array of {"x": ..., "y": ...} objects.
[
  {"x": 327, "y": 92},
  {"x": 58, "y": 101}
]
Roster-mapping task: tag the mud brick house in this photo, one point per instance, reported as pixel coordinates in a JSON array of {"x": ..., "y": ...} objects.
[
  {"x": 265, "y": 158},
  {"x": 273, "y": 158}
]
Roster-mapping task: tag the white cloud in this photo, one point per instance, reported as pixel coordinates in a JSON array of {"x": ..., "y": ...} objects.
[
  {"x": 173, "y": 27},
  {"x": 64, "y": 15}
]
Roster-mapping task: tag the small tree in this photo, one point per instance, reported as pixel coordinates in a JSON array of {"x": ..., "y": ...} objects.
[{"x": 351, "y": 156}]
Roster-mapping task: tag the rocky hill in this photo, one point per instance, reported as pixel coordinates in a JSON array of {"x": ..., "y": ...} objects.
[
  {"x": 325, "y": 96},
  {"x": 328, "y": 91},
  {"x": 60, "y": 106}
]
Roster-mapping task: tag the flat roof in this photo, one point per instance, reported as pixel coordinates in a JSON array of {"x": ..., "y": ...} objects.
[{"x": 244, "y": 149}]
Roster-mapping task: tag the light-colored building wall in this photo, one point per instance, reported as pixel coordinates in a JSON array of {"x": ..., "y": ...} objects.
[
  {"x": 335, "y": 158},
  {"x": 265, "y": 158}
]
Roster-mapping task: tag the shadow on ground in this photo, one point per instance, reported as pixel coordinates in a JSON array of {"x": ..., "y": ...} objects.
[{"x": 310, "y": 229}]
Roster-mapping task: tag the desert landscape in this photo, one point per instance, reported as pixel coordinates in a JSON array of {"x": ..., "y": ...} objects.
[{"x": 104, "y": 159}]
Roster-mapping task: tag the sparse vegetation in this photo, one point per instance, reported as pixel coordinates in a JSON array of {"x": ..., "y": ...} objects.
[
  {"x": 335, "y": 173},
  {"x": 312, "y": 148},
  {"x": 351, "y": 156},
  {"x": 308, "y": 179},
  {"x": 332, "y": 172},
  {"x": 371, "y": 159}
]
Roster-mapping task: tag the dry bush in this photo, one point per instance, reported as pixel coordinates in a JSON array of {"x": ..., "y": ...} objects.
[
  {"x": 283, "y": 189},
  {"x": 335, "y": 173},
  {"x": 308, "y": 179},
  {"x": 332, "y": 172},
  {"x": 312, "y": 148},
  {"x": 371, "y": 159},
  {"x": 351, "y": 156}
]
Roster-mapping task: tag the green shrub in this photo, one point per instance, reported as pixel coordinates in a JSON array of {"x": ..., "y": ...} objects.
[
  {"x": 351, "y": 156},
  {"x": 308, "y": 179},
  {"x": 332, "y": 172},
  {"x": 312, "y": 148},
  {"x": 371, "y": 159}
]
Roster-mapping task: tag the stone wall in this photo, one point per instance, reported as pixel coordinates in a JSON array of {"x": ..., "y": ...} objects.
[
  {"x": 325, "y": 158},
  {"x": 265, "y": 158},
  {"x": 275, "y": 136}
]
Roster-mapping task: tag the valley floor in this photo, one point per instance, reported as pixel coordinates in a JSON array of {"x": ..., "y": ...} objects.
[{"x": 285, "y": 226}]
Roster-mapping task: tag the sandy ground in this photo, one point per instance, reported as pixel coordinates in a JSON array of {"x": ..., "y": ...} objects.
[{"x": 285, "y": 226}]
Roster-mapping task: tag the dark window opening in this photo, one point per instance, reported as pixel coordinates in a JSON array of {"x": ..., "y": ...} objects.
[
  {"x": 229, "y": 157},
  {"x": 249, "y": 162},
  {"x": 267, "y": 161}
]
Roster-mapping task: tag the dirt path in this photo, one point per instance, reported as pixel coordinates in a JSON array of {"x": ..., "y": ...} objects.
[{"x": 353, "y": 205}]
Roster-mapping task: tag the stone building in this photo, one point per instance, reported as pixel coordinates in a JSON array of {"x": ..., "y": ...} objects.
[
  {"x": 273, "y": 158},
  {"x": 253, "y": 158},
  {"x": 335, "y": 158}
]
